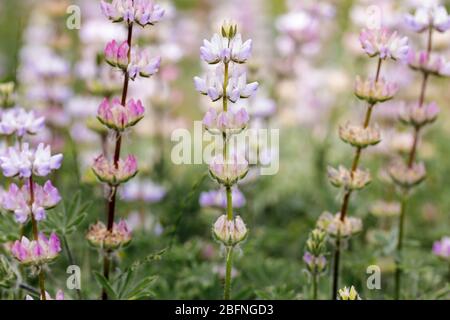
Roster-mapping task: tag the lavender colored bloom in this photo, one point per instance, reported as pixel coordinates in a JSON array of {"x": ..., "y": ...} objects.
[
  {"x": 24, "y": 162},
  {"x": 115, "y": 116},
  {"x": 107, "y": 172},
  {"x": 141, "y": 64},
  {"x": 382, "y": 43},
  {"x": 215, "y": 50},
  {"x": 435, "y": 17},
  {"x": 429, "y": 63},
  {"x": 240, "y": 51},
  {"x": 17, "y": 121},
  {"x": 17, "y": 200},
  {"x": 442, "y": 248},
  {"x": 143, "y": 190},
  {"x": 142, "y": 12},
  {"x": 36, "y": 252},
  {"x": 237, "y": 87},
  {"x": 218, "y": 199}
]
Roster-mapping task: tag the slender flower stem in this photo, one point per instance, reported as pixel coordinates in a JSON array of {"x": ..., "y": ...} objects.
[
  {"x": 346, "y": 199},
  {"x": 411, "y": 159},
  {"x": 36, "y": 236},
  {"x": 229, "y": 204},
  {"x": 229, "y": 266},
  {"x": 112, "y": 196},
  {"x": 314, "y": 286},
  {"x": 398, "y": 267}
]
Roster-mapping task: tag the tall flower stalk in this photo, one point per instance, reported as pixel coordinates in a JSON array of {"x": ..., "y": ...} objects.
[
  {"x": 227, "y": 82},
  {"x": 382, "y": 45},
  {"x": 28, "y": 200},
  {"x": 120, "y": 114},
  {"x": 408, "y": 174}
]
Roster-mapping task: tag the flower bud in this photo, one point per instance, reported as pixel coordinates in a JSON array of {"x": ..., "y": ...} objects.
[
  {"x": 117, "y": 117},
  {"x": 333, "y": 225},
  {"x": 375, "y": 91},
  {"x": 229, "y": 232},
  {"x": 7, "y": 94},
  {"x": 359, "y": 136},
  {"x": 342, "y": 177},
  {"x": 315, "y": 265},
  {"x": 419, "y": 116},
  {"x": 117, "y": 55},
  {"x": 348, "y": 294},
  {"x": 106, "y": 171},
  {"x": 228, "y": 172},
  {"x": 99, "y": 236},
  {"x": 36, "y": 252},
  {"x": 229, "y": 29},
  {"x": 405, "y": 176}
]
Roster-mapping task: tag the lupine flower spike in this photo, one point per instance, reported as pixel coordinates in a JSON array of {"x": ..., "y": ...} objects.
[
  {"x": 121, "y": 114},
  {"x": 227, "y": 82},
  {"x": 418, "y": 114},
  {"x": 381, "y": 44}
]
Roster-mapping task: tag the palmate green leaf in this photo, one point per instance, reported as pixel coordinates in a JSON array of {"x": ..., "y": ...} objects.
[
  {"x": 105, "y": 284},
  {"x": 66, "y": 218},
  {"x": 142, "y": 289}
]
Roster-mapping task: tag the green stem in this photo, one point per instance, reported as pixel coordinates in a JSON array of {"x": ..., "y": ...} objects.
[
  {"x": 227, "y": 290},
  {"x": 314, "y": 286},
  {"x": 399, "y": 260},
  {"x": 229, "y": 204},
  {"x": 42, "y": 284}
]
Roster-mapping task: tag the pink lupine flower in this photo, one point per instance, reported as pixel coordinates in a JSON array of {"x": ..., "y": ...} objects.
[
  {"x": 212, "y": 85},
  {"x": 215, "y": 50},
  {"x": 217, "y": 198},
  {"x": 382, "y": 43},
  {"x": 17, "y": 121},
  {"x": 24, "y": 162},
  {"x": 141, "y": 64},
  {"x": 429, "y": 63},
  {"x": 36, "y": 252},
  {"x": 442, "y": 248},
  {"x": 59, "y": 296},
  {"x": 18, "y": 200},
  {"x": 419, "y": 116},
  {"x": 107, "y": 172},
  {"x": 115, "y": 116},
  {"x": 435, "y": 17},
  {"x": 229, "y": 121},
  {"x": 99, "y": 236},
  {"x": 117, "y": 55},
  {"x": 230, "y": 171},
  {"x": 230, "y": 232},
  {"x": 142, "y": 12}
]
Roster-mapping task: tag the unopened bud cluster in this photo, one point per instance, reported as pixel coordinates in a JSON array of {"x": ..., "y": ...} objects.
[
  {"x": 334, "y": 226},
  {"x": 314, "y": 256}
]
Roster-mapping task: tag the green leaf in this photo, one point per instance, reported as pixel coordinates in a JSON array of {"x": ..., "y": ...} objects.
[{"x": 105, "y": 284}]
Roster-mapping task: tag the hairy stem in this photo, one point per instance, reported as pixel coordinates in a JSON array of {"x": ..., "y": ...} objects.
[
  {"x": 229, "y": 266},
  {"x": 314, "y": 286},
  {"x": 112, "y": 197}
]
